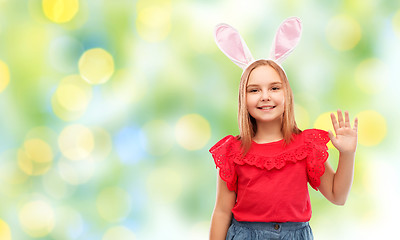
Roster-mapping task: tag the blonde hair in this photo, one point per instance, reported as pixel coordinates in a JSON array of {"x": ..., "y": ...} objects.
[{"x": 248, "y": 125}]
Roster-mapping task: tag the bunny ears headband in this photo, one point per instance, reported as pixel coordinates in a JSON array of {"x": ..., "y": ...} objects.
[{"x": 233, "y": 46}]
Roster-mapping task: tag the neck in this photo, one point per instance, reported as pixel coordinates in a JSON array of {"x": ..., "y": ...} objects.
[{"x": 268, "y": 131}]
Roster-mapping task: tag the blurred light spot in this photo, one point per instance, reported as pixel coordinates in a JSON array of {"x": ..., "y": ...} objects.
[
  {"x": 361, "y": 8},
  {"x": 4, "y": 76},
  {"x": 46, "y": 134},
  {"x": 69, "y": 224},
  {"x": 102, "y": 144},
  {"x": 76, "y": 172},
  {"x": 38, "y": 150},
  {"x": 119, "y": 233},
  {"x": 96, "y": 66},
  {"x": 71, "y": 98},
  {"x": 302, "y": 117},
  {"x": 154, "y": 22},
  {"x": 64, "y": 52},
  {"x": 55, "y": 186},
  {"x": 76, "y": 142},
  {"x": 343, "y": 32},
  {"x": 113, "y": 204},
  {"x": 127, "y": 144},
  {"x": 165, "y": 185},
  {"x": 192, "y": 132},
  {"x": 60, "y": 11},
  {"x": 158, "y": 137},
  {"x": 36, "y": 157},
  {"x": 37, "y": 218},
  {"x": 63, "y": 113},
  {"x": 73, "y": 93},
  {"x": 372, "y": 76},
  {"x": 148, "y": 3},
  {"x": 324, "y": 122},
  {"x": 372, "y": 128},
  {"x": 5, "y": 233},
  {"x": 396, "y": 23}
]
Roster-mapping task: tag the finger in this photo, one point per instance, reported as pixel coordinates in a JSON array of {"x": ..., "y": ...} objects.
[
  {"x": 334, "y": 123},
  {"x": 340, "y": 118},
  {"x": 347, "y": 119},
  {"x": 355, "y": 124}
]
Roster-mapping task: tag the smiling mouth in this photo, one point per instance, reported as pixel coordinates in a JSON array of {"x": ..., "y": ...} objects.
[{"x": 266, "y": 108}]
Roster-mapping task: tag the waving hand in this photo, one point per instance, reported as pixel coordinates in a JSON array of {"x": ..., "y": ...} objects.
[{"x": 346, "y": 137}]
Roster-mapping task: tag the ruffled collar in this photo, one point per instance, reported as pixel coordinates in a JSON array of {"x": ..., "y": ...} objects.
[
  {"x": 276, "y": 154},
  {"x": 268, "y": 143}
]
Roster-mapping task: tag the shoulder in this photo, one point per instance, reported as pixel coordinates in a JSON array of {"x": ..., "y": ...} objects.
[
  {"x": 314, "y": 131},
  {"x": 315, "y": 136},
  {"x": 316, "y": 140},
  {"x": 225, "y": 143},
  {"x": 222, "y": 153}
]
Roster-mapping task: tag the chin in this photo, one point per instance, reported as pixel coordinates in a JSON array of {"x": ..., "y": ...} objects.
[{"x": 269, "y": 120}]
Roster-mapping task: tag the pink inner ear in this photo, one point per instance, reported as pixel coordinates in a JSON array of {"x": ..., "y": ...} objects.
[
  {"x": 229, "y": 41},
  {"x": 287, "y": 37}
]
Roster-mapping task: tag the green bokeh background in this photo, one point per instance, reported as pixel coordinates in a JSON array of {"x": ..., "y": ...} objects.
[{"x": 168, "y": 191}]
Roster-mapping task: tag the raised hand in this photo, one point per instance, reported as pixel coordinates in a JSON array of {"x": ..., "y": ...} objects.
[{"x": 346, "y": 137}]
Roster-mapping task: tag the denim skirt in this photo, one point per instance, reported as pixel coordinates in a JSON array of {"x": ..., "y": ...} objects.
[{"x": 269, "y": 230}]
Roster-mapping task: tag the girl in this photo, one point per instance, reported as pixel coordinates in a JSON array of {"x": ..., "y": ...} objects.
[{"x": 263, "y": 172}]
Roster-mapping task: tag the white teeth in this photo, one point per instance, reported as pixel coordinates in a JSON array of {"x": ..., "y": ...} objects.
[{"x": 265, "y": 108}]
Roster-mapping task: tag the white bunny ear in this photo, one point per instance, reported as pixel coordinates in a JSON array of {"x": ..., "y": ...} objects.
[
  {"x": 286, "y": 39},
  {"x": 232, "y": 45}
]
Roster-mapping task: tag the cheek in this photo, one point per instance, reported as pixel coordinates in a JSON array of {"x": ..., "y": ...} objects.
[
  {"x": 250, "y": 100},
  {"x": 281, "y": 99}
]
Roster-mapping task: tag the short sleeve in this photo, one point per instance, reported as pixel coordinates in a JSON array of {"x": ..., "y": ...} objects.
[
  {"x": 316, "y": 140},
  {"x": 221, "y": 153}
]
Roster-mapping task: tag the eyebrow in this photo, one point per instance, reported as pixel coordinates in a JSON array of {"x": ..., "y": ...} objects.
[{"x": 256, "y": 85}]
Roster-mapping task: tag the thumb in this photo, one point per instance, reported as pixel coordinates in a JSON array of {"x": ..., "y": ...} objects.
[{"x": 331, "y": 136}]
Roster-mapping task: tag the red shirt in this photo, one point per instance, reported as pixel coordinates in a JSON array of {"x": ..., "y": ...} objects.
[{"x": 271, "y": 180}]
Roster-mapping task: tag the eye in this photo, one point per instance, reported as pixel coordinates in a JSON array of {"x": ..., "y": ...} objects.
[
  {"x": 275, "y": 88},
  {"x": 253, "y": 90}
]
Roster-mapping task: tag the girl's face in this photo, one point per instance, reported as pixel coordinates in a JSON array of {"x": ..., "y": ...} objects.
[{"x": 265, "y": 95}]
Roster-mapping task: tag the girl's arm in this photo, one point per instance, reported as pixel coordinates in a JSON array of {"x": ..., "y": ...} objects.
[
  {"x": 222, "y": 214},
  {"x": 336, "y": 186}
]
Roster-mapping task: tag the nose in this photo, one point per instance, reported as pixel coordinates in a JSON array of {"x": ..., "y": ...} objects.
[{"x": 265, "y": 96}]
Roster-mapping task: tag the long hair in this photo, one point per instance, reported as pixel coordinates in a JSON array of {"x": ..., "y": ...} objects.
[{"x": 247, "y": 124}]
